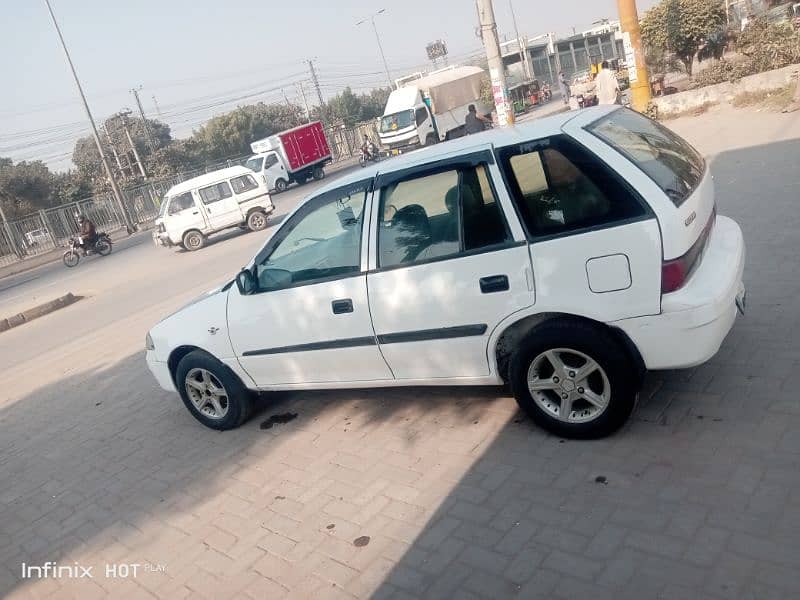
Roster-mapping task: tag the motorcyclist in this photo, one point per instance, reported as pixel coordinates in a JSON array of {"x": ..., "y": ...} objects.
[
  {"x": 87, "y": 234},
  {"x": 368, "y": 148}
]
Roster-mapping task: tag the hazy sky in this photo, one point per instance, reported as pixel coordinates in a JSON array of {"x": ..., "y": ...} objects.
[{"x": 203, "y": 57}]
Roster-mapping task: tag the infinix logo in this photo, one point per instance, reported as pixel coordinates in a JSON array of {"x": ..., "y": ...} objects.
[{"x": 56, "y": 571}]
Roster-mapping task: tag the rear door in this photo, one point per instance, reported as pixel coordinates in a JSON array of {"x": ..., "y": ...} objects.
[
  {"x": 595, "y": 243},
  {"x": 220, "y": 206},
  {"x": 446, "y": 267}
]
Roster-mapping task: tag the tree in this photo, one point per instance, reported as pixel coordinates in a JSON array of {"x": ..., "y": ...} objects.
[
  {"x": 230, "y": 135},
  {"x": 350, "y": 108},
  {"x": 682, "y": 27},
  {"x": 25, "y": 187}
]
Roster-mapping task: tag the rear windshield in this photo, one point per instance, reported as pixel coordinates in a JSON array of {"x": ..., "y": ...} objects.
[{"x": 665, "y": 157}]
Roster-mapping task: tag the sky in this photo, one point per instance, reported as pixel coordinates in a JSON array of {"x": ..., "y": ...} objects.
[{"x": 204, "y": 57}]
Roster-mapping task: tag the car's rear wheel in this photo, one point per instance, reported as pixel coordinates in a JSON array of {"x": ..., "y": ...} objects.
[
  {"x": 257, "y": 220},
  {"x": 574, "y": 379},
  {"x": 212, "y": 392},
  {"x": 193, "y": 240}
]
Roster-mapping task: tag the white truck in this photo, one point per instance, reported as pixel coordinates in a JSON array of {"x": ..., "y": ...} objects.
[{"x": 431, "y": 109}]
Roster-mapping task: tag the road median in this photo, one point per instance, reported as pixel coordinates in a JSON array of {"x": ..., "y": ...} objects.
[{"x": 26, "y": 316}]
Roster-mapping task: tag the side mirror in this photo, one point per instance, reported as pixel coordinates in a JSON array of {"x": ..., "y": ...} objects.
[{"x": 246, "y": 282}]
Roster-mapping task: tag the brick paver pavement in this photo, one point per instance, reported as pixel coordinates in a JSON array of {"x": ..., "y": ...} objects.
[{"x": 458, "y": 494}]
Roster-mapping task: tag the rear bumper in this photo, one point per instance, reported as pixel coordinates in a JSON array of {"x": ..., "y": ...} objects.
[
  {"x": 160, "y": 371},
  {"x": 695, "y": 320}
]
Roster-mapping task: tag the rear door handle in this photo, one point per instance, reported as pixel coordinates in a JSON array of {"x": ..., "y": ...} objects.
[
  {"x": 494, "y": 284},
  {"x": 342, "y": 307}
]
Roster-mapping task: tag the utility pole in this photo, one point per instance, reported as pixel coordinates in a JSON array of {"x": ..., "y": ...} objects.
[
  {"x": 380, "y": 46},
  {"x": 129, "y": 226},
  {"x": 132, "y": 145},
  {"x": 505, "y": 115},
  {"x": 151, "y": 142},
  {"x": 305, "y": 100},
  {"x": 322, "y": 111},
  {"x": 523, "y": 52},
  {"x": 634, "y": 55}
]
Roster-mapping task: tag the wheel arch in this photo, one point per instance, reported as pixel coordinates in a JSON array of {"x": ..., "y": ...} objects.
[
  {"x": 512, "y": 333},
  {"x": 177, "y": 355}
]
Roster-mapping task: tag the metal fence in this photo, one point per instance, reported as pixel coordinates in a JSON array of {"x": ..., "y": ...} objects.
[{"x": 43, "y": 232}]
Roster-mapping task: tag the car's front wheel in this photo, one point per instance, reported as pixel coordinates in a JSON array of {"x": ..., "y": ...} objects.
[
  {"x": 212, "y": 392},
  {"x": 574, "y": 379}
]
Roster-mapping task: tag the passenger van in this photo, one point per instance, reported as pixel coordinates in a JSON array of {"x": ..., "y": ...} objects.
[{"x": 195, "y": 209}]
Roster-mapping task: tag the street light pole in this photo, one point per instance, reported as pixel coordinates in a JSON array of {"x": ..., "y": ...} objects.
[
  {"x": 522, "y": 51},
  {"x": 505, "y": 113},
  {"x": 380, "y": 46},
  {"x": 117, "y": 194}
]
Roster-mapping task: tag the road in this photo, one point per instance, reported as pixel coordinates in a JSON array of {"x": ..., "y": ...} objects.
[{"x": 409, "y": 493}]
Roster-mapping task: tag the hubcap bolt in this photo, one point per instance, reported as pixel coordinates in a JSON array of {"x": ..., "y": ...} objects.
[
  {"x": 555, "y": 379},
  {"x": 572, "y": 373},
  {"x": 580, "y": 390},
  {"x": 564, "y": 396}
]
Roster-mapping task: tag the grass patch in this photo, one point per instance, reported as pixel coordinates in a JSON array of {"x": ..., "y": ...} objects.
[{"x": 769, "y": 100}]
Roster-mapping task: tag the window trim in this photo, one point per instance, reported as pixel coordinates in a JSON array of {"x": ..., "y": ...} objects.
[
  {"x": 505, "y": 153},
  {"x": 364, "y": 186},
  {"x": 472, "y": 160},
  {"x": 233, "y": 187},
  {"x": 590, "y": 129}
]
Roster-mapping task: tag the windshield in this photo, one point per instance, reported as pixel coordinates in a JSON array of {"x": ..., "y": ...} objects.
[
  {"x": 254, "y": 163},
  {"x": 397, "y": 121}
]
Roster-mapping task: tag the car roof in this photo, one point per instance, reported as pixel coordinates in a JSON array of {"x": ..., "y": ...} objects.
[
  {"x": 498, "y": 138},
  {"x": 208, "y": 179}
]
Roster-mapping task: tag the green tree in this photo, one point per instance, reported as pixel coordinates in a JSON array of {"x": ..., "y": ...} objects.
[
  {"x": 350, "y": 108},
  {"x": 25, "y": 187},
  {"x": 682, "y": 27},
  {"x": 229, "y": 135}
]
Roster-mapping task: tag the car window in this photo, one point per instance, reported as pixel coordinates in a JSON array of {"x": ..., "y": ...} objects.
[
  {"x": 215, "y": 193},
  {"x": 438, "y": 216},
  {"x": 665, "y": 157},
  {"x": 559, "y": 187},
  {"x": 270, "y": 161},
  {"x": 180, "y": 203},
  {"x": 422, "y": 114},
  {"x": 243, "y": 183},
  {"x": 321, "y": 242}
]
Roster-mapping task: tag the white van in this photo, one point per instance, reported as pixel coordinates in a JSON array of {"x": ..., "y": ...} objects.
[{"x": 194, "y": 209}]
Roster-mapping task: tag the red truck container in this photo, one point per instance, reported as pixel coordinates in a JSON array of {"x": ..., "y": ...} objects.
[{"x": 295, "y": 155}]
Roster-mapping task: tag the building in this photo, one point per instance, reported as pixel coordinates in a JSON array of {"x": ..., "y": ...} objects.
[{"x": 544, "y": 56}]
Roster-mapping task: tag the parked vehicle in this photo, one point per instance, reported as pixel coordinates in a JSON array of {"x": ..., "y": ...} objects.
[
  {"x": 195, "y": 209},
  {"x": 38, "y": 237},
  {"x": 102, "y": 246},
  {"x": 431, "y": 109},
  {"x": 292, "y": 156},
  {"x": 564, "y": 257}
]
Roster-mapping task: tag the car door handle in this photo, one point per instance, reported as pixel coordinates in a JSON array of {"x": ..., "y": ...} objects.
[
  {"x": 342, "y": 307},
  {"x": 494, "y": 284},
  {"x": 195, "y": 213}
]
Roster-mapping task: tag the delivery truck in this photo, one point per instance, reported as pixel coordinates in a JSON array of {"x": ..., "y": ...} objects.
[
  {"x": 292, "y": 156},
  {"x": 431, "y": 108}
]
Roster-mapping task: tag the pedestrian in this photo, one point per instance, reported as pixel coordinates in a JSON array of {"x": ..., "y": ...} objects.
[
  {"x": 607, "y": 85},
  {"x": 474, "y": 123},
  {"x": 564, "y": 87}
]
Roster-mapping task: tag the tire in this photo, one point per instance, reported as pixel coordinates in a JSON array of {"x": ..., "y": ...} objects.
[
  {"x": 257, "y": 220},
  {"x": 71, "y": 258},
  {"x": 613, "y": 383},
  {"x": 318, "y": 174},
  {"x": 103, "y": 247},
  {"x": 193, "y": 240},
  {"x": 281, "y": 185},
  {"x": 208, "y": 388}
]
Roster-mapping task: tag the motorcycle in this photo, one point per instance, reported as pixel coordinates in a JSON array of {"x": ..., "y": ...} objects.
[
  {"x": 102, "y": 246},
  {"x": 547, "y": 93},
  {"x": 369, "y": 155}
]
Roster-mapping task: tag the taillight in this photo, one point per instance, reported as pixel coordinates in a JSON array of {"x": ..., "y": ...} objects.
[{"x": 676, "y": 272}]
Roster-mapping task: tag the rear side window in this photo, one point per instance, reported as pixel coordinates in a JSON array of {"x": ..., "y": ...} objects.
[
  {"x": 665, "y": 157},
  {"x": 216, "y": 192},
  {"x": 560, "y": 188},
  {"x": 243, "y": 183}
]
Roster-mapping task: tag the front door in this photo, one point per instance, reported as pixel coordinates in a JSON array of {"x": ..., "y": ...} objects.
[
  {"x": 221, "y": 208},
  {"x": 274, "y": 170},
  {"x": 309, "y": 320},
  {"x": 448, "y": 269},
  {"x": 183, "y": 214}
]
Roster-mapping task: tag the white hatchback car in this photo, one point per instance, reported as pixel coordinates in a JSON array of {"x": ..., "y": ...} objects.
[{"x": 564, "y": 257}]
